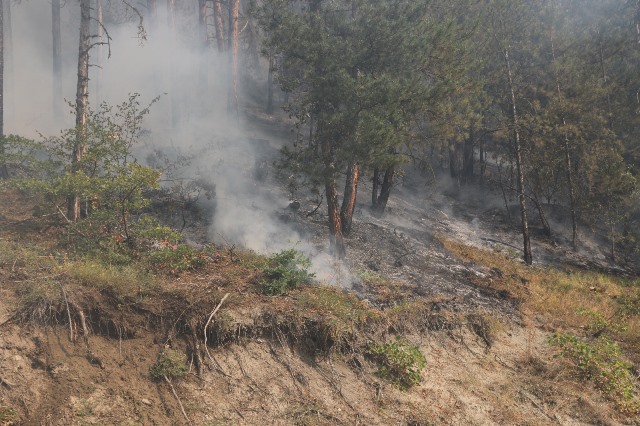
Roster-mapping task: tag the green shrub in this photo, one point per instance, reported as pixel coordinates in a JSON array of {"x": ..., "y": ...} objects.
[
  {"x": 177, "y": 258},
  {"x": 399, "y": 362},
  {"x": 601, "y": 361},
  {"x": 170, "y": 364},
  {"x": 285, "y": 270}
]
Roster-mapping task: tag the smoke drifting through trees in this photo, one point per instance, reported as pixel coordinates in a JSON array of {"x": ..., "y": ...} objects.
[{"x": 463, "y": 99}]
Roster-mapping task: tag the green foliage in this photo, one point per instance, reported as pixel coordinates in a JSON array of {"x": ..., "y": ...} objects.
[
  {"x": 108, "y": 180},
  {"x": 599, "y": 324},
  {"x": 399, "y": 362},
  {"x": 177, "y": 258},
  {"x": 171, "y": 364},
  {"x": 285, "y": 270},
  {"x": 602, "y": 362}
]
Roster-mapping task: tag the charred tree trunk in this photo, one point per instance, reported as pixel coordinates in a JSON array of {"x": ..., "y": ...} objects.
[
  {"x": 385, "y": 191},
  {"x": 528, "y": 258},
  {"x": 349, "y": 198},
  {"x": 57, "y": 59},
  {"x": 3, "y": 167},
  {"x": 82, "y": 102},
  {"x": 217, "y": 13}
]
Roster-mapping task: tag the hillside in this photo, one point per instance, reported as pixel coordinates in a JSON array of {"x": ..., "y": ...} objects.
[{"x": 483, "y": 321}]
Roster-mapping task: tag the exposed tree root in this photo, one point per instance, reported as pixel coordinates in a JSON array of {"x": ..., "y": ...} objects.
[
  {"x": 184, "y": 413},
  {"x": 206, "y": 346}
]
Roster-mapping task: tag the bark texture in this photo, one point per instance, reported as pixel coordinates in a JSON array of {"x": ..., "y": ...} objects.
[
  {"x": 528, "y": 258},
  {"x": 349, "y": 198},
  {"x": 3, "y": 168},
  {"x": 217, "y": 13},
  {"x": 82, "y": 102},
  {"x": 57, "y": 59}
]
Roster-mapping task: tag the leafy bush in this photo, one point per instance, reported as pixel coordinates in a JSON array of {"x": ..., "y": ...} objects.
[
  {"x": 601, "y": 361},
  {"x": 285, "y": 270},
  {"x": 177, "y": 258},
  {"x": 399, "y": 362},
  {"x": 170, "y": 363}
]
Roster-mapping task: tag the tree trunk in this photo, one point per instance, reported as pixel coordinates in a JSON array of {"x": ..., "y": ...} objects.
[
  {"x": 217, "y": 13},
  {"x": 100, "y": 56},
  {"x": 204, "y": 40},
  {"x": 233, "y": 23},
  {"x": 467, "y": 156},
  {"x": 376, "y": 186},
  {"x": 58, "y": 99},
  {"x": 385, "y": 191},
  {"x": 82, "y": 102},
  {"x": 528, "y": 258},
  {"x": 455, "y": 160},
  {"x": 349, "y": 198},
  {"x": 269, "y": 109},
  {"x": 3, "y": 167},
  {"x": 336, "y": 241},
  {"x": 9, "y": 95},
  {"x": 174, "y": 93},
  {"x": 567, "y": 161},
  {"x": 541, "y": 214}
]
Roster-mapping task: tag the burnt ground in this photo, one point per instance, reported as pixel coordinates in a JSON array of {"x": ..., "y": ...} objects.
[{"x": 300, "y": 358}]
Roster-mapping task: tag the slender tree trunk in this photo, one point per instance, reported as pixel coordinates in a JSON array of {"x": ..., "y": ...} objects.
[
  {"x": 100, "y": 56},
  {"x": 467, "y": 155},
  {"x": 217, "y": 13},
  {"x": 528, "y": 258},
  {"x": 82, "y": 102},
  {"x": 541, "y": 214},
  {"x": 174, "y": 93},
  {"x": 57, "y": 60},
  {"x": 234, "y": 17},
  {"x": 269, "y": 109},
  {"x": 385, "y": 191},
  {"x": 204, "y": 41},
  {"x": 349, "y": 198},
  {"x": 567, "y": 160},
  {"x": 455, "y": 160},
  {"x": 376, "y": 188},
  {"x": 336, "y": 241},
  {"x": 9, "y": 95},
  {"x": 3, "y": 167}
]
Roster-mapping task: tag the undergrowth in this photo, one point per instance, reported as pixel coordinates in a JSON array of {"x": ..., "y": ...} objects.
[
  {"x": 398, "y": 361},
  {"x": 170, "y": 363},
  {"x": 285, "y": 270}
]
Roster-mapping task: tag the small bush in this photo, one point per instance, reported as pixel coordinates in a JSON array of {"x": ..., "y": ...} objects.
[
  {"x": 399, "y": 362},
  {"x": 601, "y": 361},
  {"x": 286, "y": 270},
  {"x": 170, "y": 363}
]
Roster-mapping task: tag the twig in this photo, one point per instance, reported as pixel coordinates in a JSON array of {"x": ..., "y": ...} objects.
[
  {"x": 63, "y": 215},
  {"x": 206, "y": 347},
  {"x": 184, "y": 413}
]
